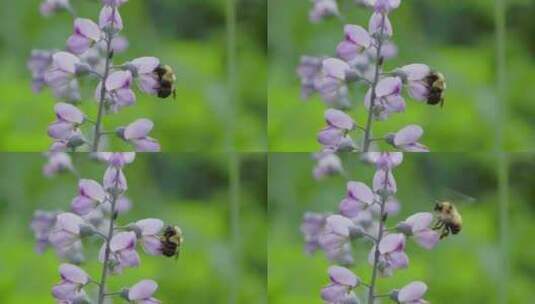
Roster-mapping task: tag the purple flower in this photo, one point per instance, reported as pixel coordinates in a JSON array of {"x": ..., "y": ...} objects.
[
  {"x": 141, "y": 292},
  {"x": 68, "y": 118},
  {"x": 343, "y": 281},
  {"x": 39, "y": 62},
  {"x": 335, "y": 239},
  {"x": 328, "y": 163},
  {"x": 73, "y": 279},
  {"x": 57, "y": 162},
  {"x": 48, "y": 7},
  {"x": 90, "y": 194},
  {"x": 42, "y": 223},
  {"x": 323, "y": 9},
  {"x": 60, "y": 76},
  {"x": 137, "y": 134},
  {"x": 384, "y": 6},
  {"x": 110, "y": 18},
  {"x": 380, "y": 22},
  {"x": 359, "y": 197},
  {"x": 144, "y": 69},
  {"x": 118, "y": 87},
  {"x": 335, "y": 134},
  {"x": 332, "y": 85},
  {"x": 384, "y": 180},
  {"x": 407, "y": 138},
  {"x": 357, "y": 40},
  {"x": 149, "y": 235},
  {"x": 417, "y": 77},
  {"x": 391, "y": 254},
  {"x": 86, "y": 33},
  {"x": 66, "y": 231},
  {"x": 119, "y": 44},
  {"x": 122, "y": 251},
  {"x": 114, "y": 180},
  {"x": 412, "y": 293},
  {"x": 418, "y": 226},
  {"x": 309, "y": 71},
  {"x": 388, "y": 98},
  {"x": 312, "y": 226}
]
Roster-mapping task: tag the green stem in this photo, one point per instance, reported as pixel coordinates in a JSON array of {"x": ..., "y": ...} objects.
[{"x": 373, "y": 97}]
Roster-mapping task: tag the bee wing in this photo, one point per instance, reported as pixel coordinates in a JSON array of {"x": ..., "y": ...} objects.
[{"x": 456, "y": 196}]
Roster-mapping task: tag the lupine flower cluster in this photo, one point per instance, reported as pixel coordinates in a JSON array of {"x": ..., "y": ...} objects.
[
  {"x": 89, "y": 53},
  {"x": 94, "y": 213},
  {"x": 362, "y": 215},
  {"x": 360, "y": 58}
]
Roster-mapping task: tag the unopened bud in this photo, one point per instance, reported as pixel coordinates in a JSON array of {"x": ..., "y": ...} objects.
[{"x": 75, "y": 141}]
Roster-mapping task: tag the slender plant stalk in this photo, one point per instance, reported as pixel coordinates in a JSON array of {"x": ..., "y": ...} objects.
[
  {"x": 503, "y": 166},
  {"x": 371, "y": 289},
  {"x": 98, "y": 123},
  {"x": 104, "y": 274},
  {"x": 373, "y": 97}
]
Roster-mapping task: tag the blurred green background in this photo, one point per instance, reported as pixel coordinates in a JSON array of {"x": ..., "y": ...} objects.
[
  {"x": 189, "y": 190},
  {"x": 189, "y": 35},
  {"x": 455, "y": 37},
  {"x": 492, "y": 258}
]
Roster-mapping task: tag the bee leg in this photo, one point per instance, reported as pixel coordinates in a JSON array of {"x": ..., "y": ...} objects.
[
  {"x": 445, "y": 232},
  {"x": 438, "y": 225}
]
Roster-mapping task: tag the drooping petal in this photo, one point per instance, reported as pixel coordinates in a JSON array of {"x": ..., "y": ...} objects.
[
  {"x": 388, "y": 86},
  {"x": 357, "y": 35},
  {"x": 392, "y": 242},
  {"x": 419, "y": 221},
  {"x": 91, "y": 189},
  {"x": 427, "y": 238},
  {"x": 361, "y": 192},
  {"x": 78, "y": 44}
]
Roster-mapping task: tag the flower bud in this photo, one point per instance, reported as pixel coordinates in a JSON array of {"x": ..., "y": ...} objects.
[
  {"x": 75, "y": 141},
  {"x": 394, "y": 295},
  {"x": 389, "y": 138}
]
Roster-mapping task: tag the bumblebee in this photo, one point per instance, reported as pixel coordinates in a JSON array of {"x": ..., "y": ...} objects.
[
  {"x": 171, "y": 241},
  {"x": 436, "y": 82},
  {"x": 448, "y": 219},
  {"x": 166, "y": 78}
]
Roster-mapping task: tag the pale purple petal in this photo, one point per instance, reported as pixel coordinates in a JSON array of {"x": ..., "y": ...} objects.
[
  {"x": 419, "y": 221},
  {"x": 152, "y": 245},
  {"x": 73, "y": 273},
  {"x": 142, "y": 290},
  {"x": 129, "y": 258},
  {"x": 333, "y": 293},
  {"x": 412, "y": 292},
  {"x": 339, "y": 224},
  {"x": 392, "y": 242},
  {"x": 150, "y": 226},
  {"x": 65, "y": 291},
  {"x": 60, "y": 130},
  {"x": 357, "y": 35},
  {"x": 361, "y": 192},
  {"x": 69, "y": 222},
  {"x": 418, "y": 90},
  {"x": 343, "y": 276},
  {"x": 336, "y": 68},
  {"x": 78, "y": 44},
  {"x": 376, "y": 25},
  {"x": 146, "y": 144},
  {"x": 110, "y": 17},
  {"x": 388, "y": 86},
  {"x": 416, "y": 71},
  {"x": 87, "y": 28},
  {"x": 339, "y": 119},
  {"x": 91, "y": 189},
  {"x": 330, "y": 136},
  {"x": 145, "y": 65},
  {"x": 138, "y": 129},
  {"x": 82, "y": 205},
  {"x": 427, "y": 238},
  {"x": 123, "y": 240},
  {"x": 408, "y": 135},
  {"x": 66, "y": 62},
  {"x": 118, "y": 79}
]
